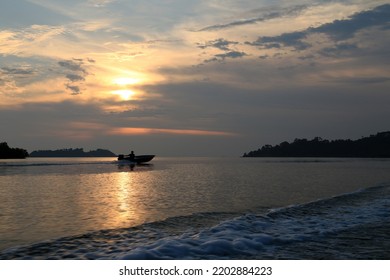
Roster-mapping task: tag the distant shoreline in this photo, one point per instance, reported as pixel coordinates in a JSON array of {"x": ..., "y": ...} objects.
[
  {"x": 374, "y": 146},
  {"x": 78, "y": 152}
]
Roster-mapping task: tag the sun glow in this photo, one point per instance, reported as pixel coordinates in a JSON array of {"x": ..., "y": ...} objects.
[
  {"x": 124, "y": 81},
  {"x": 122, "y": 85},
  {"x": 125, "y": 94}
]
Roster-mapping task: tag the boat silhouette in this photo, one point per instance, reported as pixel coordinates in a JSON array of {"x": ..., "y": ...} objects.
[{"x": 135, "y": 159}]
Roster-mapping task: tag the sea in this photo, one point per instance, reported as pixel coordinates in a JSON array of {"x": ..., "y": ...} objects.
[{"x": 195, "y": 208}]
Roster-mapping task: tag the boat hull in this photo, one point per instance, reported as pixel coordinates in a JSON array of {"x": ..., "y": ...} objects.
[{"x": 137, "y": 159}]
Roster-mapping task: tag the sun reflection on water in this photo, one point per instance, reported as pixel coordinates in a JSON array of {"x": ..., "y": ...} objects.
[
  {"x": 125, "y": 192},
  {"x": 127, "y": 195}
]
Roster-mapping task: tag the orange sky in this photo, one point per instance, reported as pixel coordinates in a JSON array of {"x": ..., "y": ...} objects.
[{"x": 233, "y": 74}]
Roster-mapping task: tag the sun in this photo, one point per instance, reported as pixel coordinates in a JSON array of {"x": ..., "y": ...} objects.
[
  {"x": 124, "y": 94},
  {"x": 123, "y": 85}
]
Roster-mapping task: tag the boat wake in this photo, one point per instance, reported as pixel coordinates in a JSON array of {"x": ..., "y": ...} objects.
[{"x": 350, "y": 226}]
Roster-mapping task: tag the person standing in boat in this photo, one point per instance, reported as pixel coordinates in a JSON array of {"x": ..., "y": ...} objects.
[{"x": 132, "y": 155}]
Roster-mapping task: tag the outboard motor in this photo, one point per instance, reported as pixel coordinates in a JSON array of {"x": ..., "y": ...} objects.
[{"x": 120, "y": 157}]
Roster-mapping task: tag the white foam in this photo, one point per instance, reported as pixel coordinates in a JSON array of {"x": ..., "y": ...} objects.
[
  {"x": 251, "y": 235},
  {"x": 247, "y": 236}
]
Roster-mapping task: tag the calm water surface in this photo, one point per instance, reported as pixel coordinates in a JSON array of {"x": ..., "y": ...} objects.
[{"x": 46, "y": 198}]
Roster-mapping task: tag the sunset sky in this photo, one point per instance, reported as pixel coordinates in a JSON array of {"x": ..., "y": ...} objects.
[{"x": 191, "y": 77}]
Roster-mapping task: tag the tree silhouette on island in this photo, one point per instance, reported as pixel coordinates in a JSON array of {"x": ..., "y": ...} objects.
[
  {"x": 374, "y": 146},
  {"x": 16, "y": 153},
  {"x": 78, "y": 152},
  {"x": 8, "y": 153}
]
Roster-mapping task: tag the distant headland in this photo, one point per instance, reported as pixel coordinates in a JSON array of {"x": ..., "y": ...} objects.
[
  {"x": 8, "y": 153},
  {"x": 373, "y": 146},
  {"x": 78, "y": 152}
]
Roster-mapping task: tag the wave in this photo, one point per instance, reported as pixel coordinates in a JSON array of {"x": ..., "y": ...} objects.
[
  {"x": 54, "y": 163},
  {"x": 266, "y": 236},
  {"x": 350, "y": 226}
]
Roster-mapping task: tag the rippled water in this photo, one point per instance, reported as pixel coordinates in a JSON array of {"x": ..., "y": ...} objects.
[{"x": 46, "y": 199}]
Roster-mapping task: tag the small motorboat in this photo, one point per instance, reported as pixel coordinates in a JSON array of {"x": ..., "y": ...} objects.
[{"x": 135, "y": 159}]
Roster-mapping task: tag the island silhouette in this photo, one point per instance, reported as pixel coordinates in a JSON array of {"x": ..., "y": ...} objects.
[
  {"x": 373, "y": 146},
  {"x": 8, "y": 153},
  {"x": 17, "y": 153},
  {"x": 72, "y": 152}
]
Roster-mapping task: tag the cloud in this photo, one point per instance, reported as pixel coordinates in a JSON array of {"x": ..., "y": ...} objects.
[
  {"x": 74, "y": 89},
  {"x": 75, "y": 77},
  {"x": 73, "y": 65},
  {"x": 75, "y": 73},
  {"x": 294, "y": 10},
  {"x": 224, "y": 45},
  {"x": 14, "y": 78},
  {"x": 40, "y": 118},
  {"x": 338, "y": 30},
  {"x": 221, "y": 44},
  {"x": 147, "y": 130},
  {"x": 223, "y": 56},
  {"x": 361, "y": 80},
  {"x": 339, "y": 49},
  {"x": 17, "y": 70},
  {"x": 294, "y": 39},
  {"x": 53, "y": 125},
  {"x": 231, "y": 54},
  {"x": 80, "y": 130},
  {"x": 32, "y": 41},
  {"x": 22, "y": 13},
  {"x": 344, "y": 29}
]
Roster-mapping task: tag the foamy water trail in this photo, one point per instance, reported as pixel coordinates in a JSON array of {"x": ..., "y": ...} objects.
[
  {"x": 334, "y": 228},
  {"x": 250, "y": 235}
]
